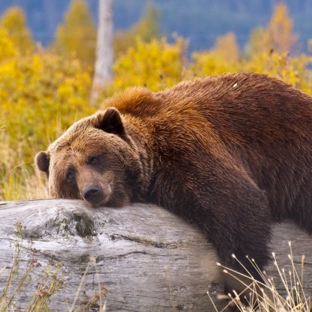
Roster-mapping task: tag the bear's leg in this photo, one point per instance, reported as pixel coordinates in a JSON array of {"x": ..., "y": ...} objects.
[
  {"x": 301, "y": 210},
  {"x": 237, "y": 220}
]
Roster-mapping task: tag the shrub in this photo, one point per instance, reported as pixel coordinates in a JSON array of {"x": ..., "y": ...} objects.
[{"x": 40, "y": 96}]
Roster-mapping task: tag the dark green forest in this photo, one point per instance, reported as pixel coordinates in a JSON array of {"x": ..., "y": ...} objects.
[{"x": 201, "y": 21}]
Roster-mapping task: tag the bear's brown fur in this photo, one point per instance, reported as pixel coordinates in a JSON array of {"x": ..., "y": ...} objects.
[{"x": 231, "y": 154}]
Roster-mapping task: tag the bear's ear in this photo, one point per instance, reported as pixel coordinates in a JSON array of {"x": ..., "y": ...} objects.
[
  {"x": 42, "y": 161},
  {"x": 110, "y": 121}
]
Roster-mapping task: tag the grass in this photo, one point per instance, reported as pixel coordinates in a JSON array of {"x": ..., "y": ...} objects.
[
  {"x": 18, "y": 180},
  {"x": 49, "y": 282},
  {"x": 265, "y": 297}
]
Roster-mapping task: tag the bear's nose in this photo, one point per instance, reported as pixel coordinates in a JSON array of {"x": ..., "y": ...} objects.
[{"x": 93, "y": 194}]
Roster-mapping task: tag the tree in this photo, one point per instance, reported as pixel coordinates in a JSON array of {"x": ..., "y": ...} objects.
[
  {"x": 226, "y": 47},
  {"x": 156, "y": 65},
  {"x": 259, "y": 42},
  {"x": 280, "y": 28},
  {"x": 77, "y": 34},
  {"x": 7, "y": 47},
  {"x": 14, "y": 22},
  {"x": 104, "y": 48},
  {"x": 278, "y": 36},
  {"x": 224, "y": 57},
  {"x": 147, "y": 29}
]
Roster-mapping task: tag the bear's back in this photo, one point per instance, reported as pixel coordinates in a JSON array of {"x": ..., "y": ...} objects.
[
  {"x": 243, "y": 95},
  {"x": 264, "y": 124}
]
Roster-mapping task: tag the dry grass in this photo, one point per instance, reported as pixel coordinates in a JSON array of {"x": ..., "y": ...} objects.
[
  {"x": 18, "y": 180},
  {"x": 265, "y": 297},
  {"x": 49, "y": 282}
]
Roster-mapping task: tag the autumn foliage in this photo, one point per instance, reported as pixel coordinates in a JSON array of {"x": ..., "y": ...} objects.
[
  {"x": 40, "y": 95},
  {"x": 77, "y": 34},
  {"x": 14, "y": 22},
  {"x": 42, "y": 92}
]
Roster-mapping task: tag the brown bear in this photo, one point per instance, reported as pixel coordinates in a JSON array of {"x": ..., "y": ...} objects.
[{"x": 230, "y": 153}]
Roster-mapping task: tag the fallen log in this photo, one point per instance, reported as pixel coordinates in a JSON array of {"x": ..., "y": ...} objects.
[{"x": 147, "y": 258}]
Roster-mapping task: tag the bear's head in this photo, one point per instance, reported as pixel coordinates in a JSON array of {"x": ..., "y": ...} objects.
[{"x": 95, "y": 160}]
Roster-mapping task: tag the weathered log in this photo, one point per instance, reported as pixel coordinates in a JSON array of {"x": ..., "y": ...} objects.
[{"x": 146, "y": 257}]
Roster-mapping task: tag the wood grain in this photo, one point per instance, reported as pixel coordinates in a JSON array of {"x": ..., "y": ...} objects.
[{"x": 146, "y": 257}]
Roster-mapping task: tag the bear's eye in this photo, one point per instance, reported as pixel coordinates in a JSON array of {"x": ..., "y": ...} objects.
[
  {"x": 70, "y": 176},
  {"x": 92, "y": 160}
]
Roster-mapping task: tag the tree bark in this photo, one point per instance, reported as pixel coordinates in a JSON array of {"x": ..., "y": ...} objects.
[
  {"x": 147, "y": 258},
  {"x": 104, "y": 48}
]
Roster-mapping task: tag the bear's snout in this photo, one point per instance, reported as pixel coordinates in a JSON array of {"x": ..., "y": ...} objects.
[{"x": 93, "y": 194}]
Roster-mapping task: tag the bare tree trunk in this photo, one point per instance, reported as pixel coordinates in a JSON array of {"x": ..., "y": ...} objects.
[
  {"x": 147, "y": 258},
  {"x": 104, "y": 49}
]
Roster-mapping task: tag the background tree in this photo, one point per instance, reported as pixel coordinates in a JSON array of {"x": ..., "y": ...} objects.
[
  {"x": 226, "y": 47},
  {"x": 104, "y": 49},
  {"x": 7, "y": 47},
  {"x": 281, "y": 30},
  {"x": 147, "y": 29},
  {"x": 156, "y": 65},
  {"x": 14, "y": 22},
  {"x": 278, "y": 36},
  {"x": 259, "y": 42},
  {"x": 224, "y": 57},
  {"x": 77, "y": 34}
]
